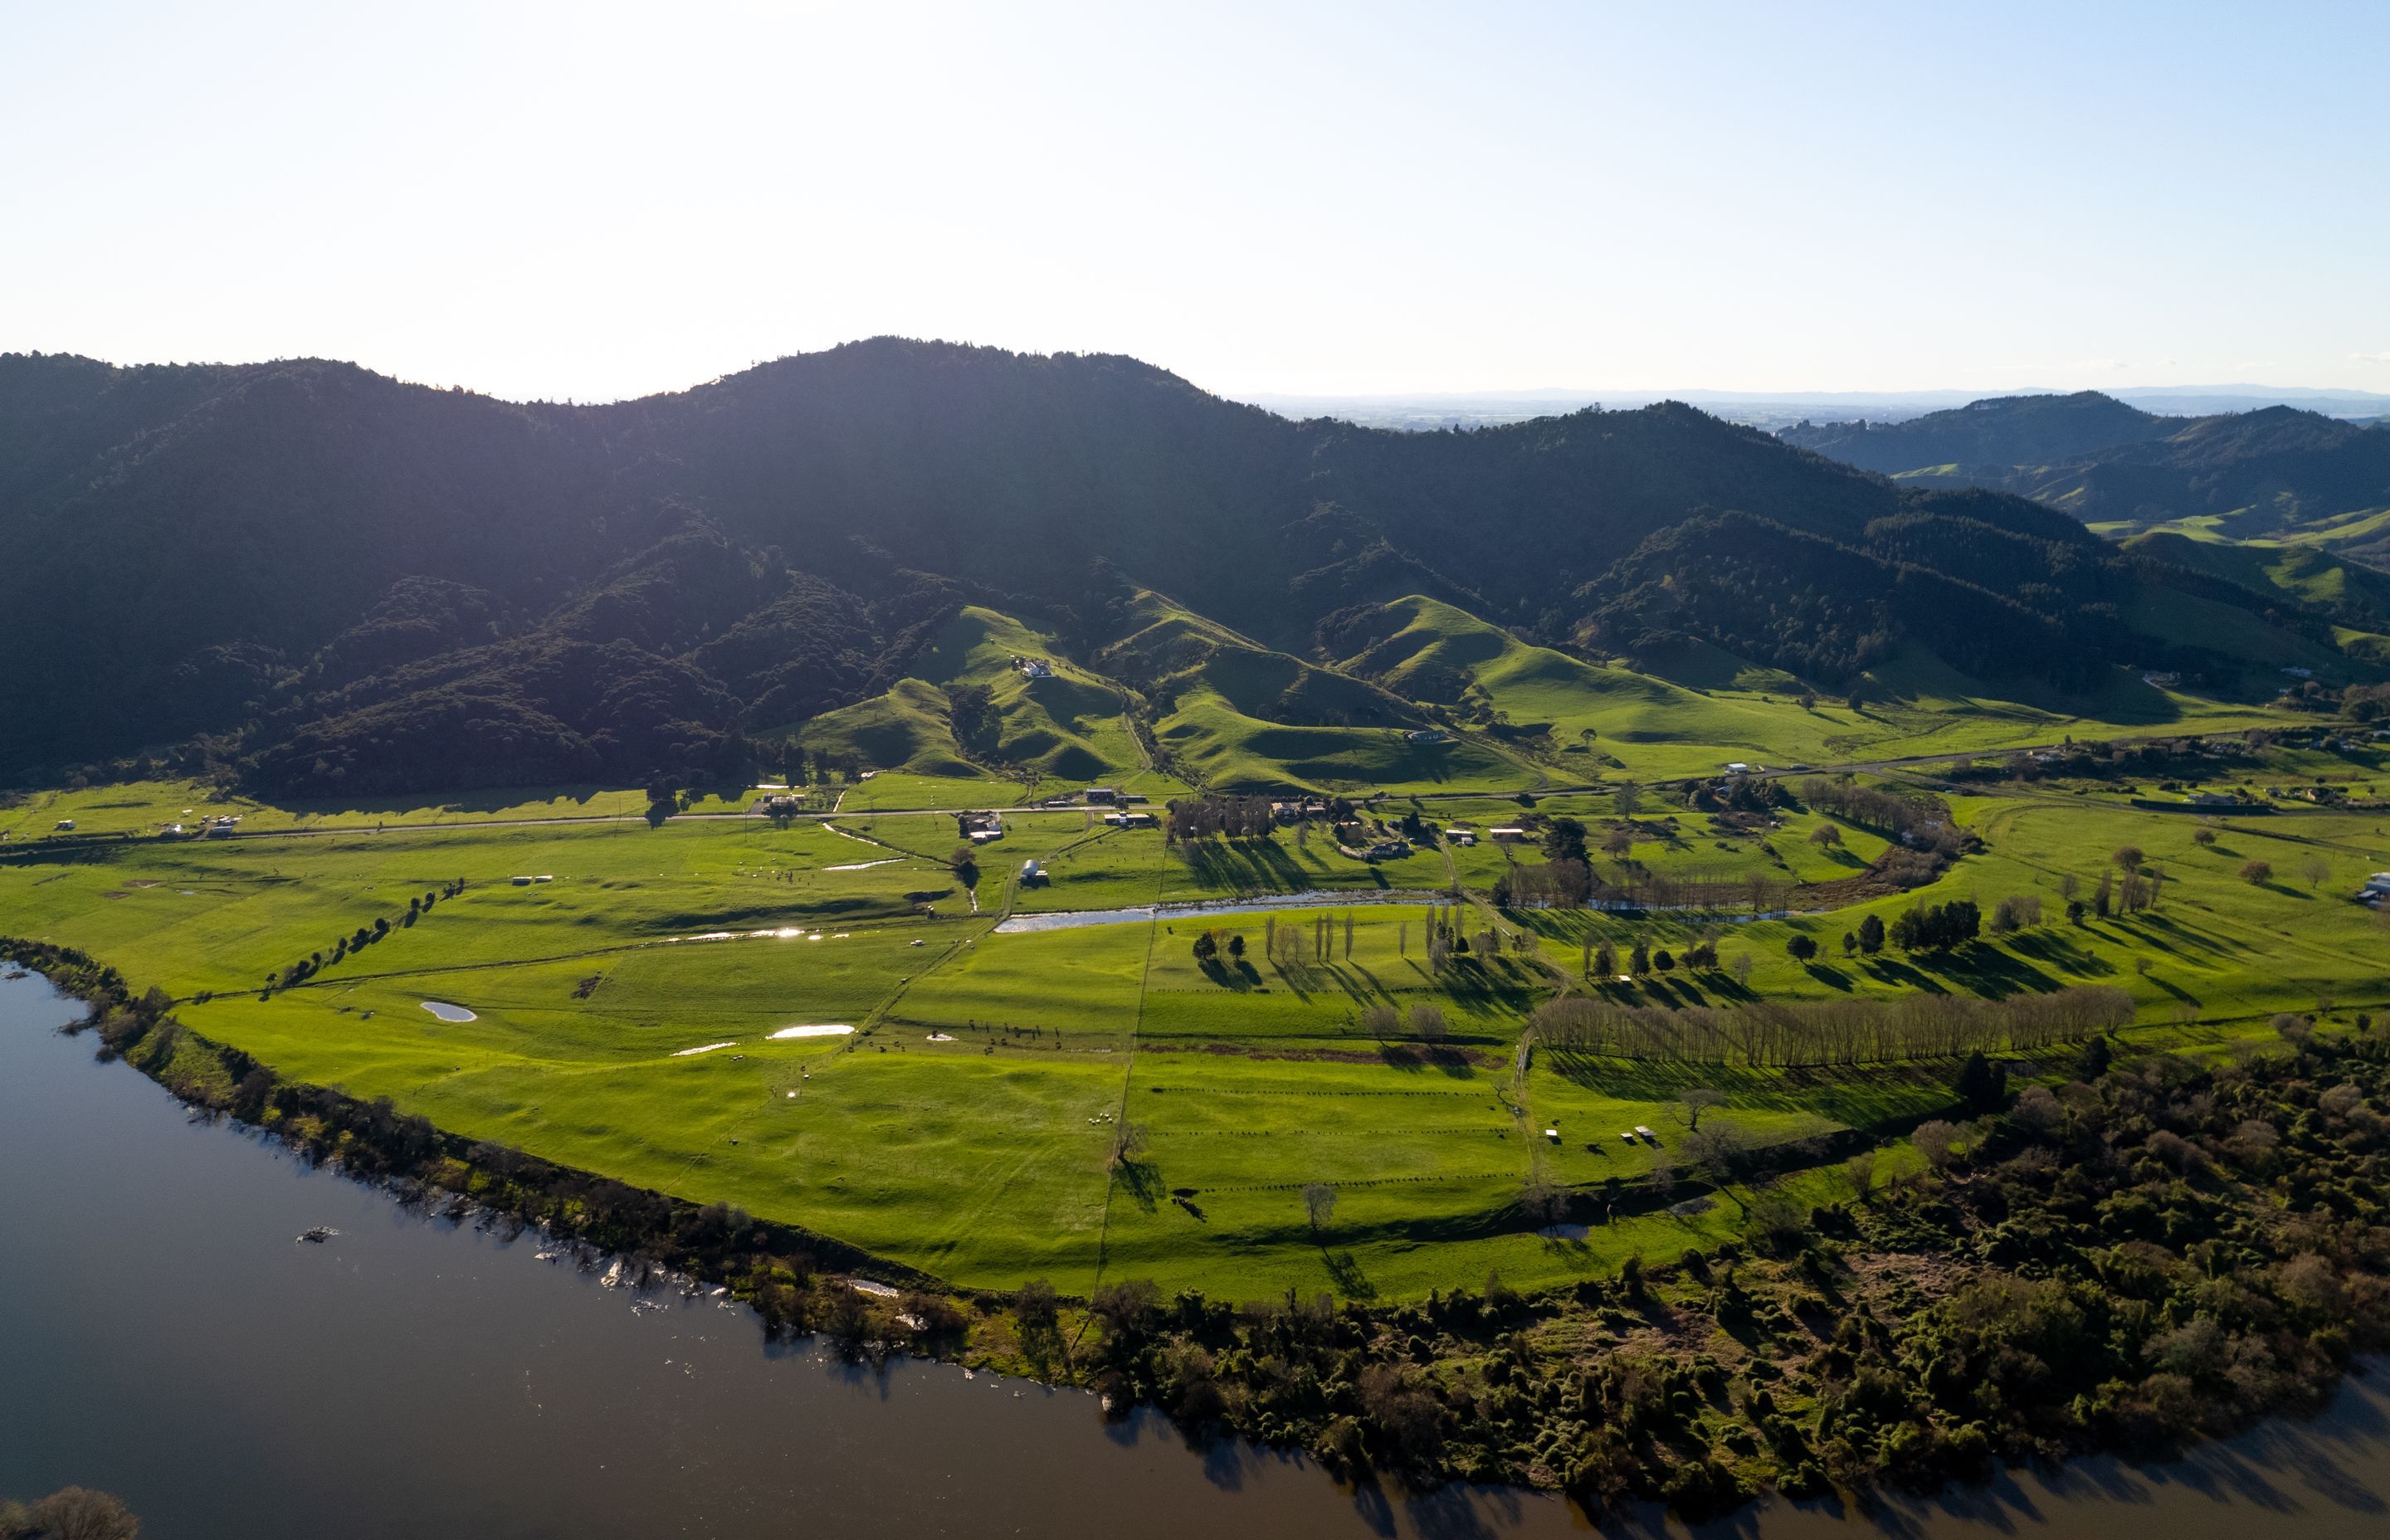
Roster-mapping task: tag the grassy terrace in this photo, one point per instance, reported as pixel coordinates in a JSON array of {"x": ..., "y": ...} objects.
[{"x": 624, "y": 1013}]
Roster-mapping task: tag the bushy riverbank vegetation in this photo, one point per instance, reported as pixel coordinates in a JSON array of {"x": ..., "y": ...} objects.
[
  {"x": 70, "y": 1513},
  {"x": 2097, "y": 1253},
  {"x": 1647, "y": 1138}
]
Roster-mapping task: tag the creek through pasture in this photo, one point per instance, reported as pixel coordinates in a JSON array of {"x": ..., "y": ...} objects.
[{"x": 168, "y": 1337}]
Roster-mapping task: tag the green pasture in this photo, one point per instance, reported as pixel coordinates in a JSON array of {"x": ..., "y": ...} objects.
[{"x": 967, "y": 1125}]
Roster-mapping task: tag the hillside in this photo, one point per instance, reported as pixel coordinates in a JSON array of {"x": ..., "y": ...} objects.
[
  {"x": 2274, "y": 473},
  {"x": 2277, "y": 473},
  {"x": 2000, "y": 430},
  {"x": 987, "y": 694},
  {"x": 337, "y": 585}
]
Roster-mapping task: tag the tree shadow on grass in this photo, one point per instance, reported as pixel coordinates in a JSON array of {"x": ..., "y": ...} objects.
[
  {"x": 1892, "y": 971},
  {"x": 2206, "y": 940},
  {"x": 1831, "y": 976},
  {"x": 1417, "y": 1057},
  {"x": 1244, "y": 866},
  {"x": 1858, "y": 1095},
  {"x": 1994, "y": 973},
  {"x": 1142, "y": 1181},
  {"x": 2062, "y": 952},
  {"x": 1345, "y": 1271},
  {"x": 1289, "y": 976},
  {"x": 1483, "y": 989}
]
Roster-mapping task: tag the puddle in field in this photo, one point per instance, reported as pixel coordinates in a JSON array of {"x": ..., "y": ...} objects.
[
  {"x": 703, "y": 1048},
  {"x": 863, "y": 865},
  {"x": 447, "y": 1012},
  {"x": 824, "y": 1030}
]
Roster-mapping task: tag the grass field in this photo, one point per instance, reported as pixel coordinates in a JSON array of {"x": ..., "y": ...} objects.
[{"x": 624, "y": 1011}]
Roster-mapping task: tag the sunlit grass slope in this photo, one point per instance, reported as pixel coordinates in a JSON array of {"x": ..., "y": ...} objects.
[
  {"x": 1702, "y": 708},
  {"x": 1234, "y": 714},
  {"x": 1067, "y": 724}
]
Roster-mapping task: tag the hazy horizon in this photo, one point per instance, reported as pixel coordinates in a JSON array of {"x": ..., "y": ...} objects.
[
  {"x": 600, "y": 202},
  {"x": 1560, "y": 396}
]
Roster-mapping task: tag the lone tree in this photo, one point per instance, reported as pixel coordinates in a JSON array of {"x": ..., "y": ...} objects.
[
  {"x": 1825, "y": 834},
  {"x": 1801, "y": 948},
  {"x": 1699, "y": 1099},
  {"x": 2257, "y": 873},
  {"x": 1427, "y": 1024},
  {"x": 1319, "y": 1202},
  {"x": 1982, "y": 1084},
  {"x": 2315, "y": 868},
  {"x": 1206, "y": 949},
  {"x": 1717, "y": 1155},
  {"x": 2129, "y": 857},
  {"x": 1628, "y": 798},
  {"x": 1871, "y": 934},
  {"x": 1035, "y": 1307}
]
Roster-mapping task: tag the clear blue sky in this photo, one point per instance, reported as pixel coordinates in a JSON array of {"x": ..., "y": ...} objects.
[{"x": 593, "y": 201}]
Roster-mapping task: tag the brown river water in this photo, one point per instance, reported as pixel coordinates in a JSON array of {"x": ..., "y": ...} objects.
[{"x": 165, "y": 1336}]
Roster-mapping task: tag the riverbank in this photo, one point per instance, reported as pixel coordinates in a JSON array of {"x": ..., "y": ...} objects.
[{"x": 2050, "y": 1287}]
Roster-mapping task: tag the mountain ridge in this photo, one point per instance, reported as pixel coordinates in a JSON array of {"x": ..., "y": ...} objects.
[{"x": 337, "y": 582}]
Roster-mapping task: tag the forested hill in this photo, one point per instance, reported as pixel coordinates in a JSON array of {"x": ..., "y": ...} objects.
[
  {"x": 339, "y": 582},
  {"x": 2275, "y": 472},
  {"x": 2000, "y": 430}
]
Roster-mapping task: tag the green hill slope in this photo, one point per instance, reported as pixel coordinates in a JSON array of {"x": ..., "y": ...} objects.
[
  {"x": 989, "y": 694},
  {"x": 1233, "y": 713},
  {"x": 1697, "y": 708}
]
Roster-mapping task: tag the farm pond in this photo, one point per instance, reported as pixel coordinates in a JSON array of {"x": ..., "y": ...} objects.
[{"x": 169, "y": 1336}]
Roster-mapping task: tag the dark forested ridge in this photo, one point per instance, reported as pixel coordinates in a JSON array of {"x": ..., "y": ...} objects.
[
  {"x": 1998, "y": 430},
  {"x": 2266, "y": 474},
  {"x": 2272, "y": 472},
  {"x": 343, "y": 584}
]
